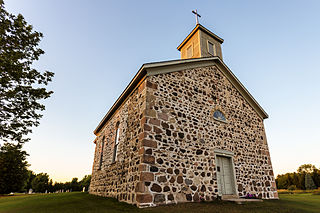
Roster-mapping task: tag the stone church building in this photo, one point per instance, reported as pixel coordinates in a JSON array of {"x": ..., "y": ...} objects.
[{"x": 183, "y": 130}]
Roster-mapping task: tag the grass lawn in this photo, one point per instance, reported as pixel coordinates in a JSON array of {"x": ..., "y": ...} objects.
[{"x": 83, "y": 202}]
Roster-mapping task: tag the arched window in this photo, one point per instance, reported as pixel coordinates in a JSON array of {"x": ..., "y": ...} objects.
[
  {"x": 116, "y": 143},
  {"x": 219, "y": 115}
]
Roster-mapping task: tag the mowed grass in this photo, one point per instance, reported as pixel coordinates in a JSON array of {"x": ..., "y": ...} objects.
[{"x": 84, "y": 202}]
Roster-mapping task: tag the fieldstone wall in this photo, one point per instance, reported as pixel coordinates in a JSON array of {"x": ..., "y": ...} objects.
[
  {"x": 167, "y": 140},
  {"x": 180, "y": 124},
  {"x": 119, "y": 179}
]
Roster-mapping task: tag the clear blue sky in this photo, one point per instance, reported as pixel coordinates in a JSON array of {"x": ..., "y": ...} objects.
[{"x": 96, "y": 47}]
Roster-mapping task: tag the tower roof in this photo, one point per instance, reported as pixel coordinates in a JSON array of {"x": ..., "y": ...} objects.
[{"x": 199, "y": 27}]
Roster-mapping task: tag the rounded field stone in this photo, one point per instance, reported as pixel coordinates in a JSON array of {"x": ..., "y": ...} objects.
[
  {"x": 154, "y": 169},
  {"x": 162, "y": 179},
  {"x": 188, "y": 182},
  {"x": 166, "y": 189},
  {"x": 158, "y": 198},
  {"x": 149, "y": 151},
  {"x": 170, "y": 197},
  {"x": 156, "y": 188},
  {"x": 179, "y": 179},
  {"x": 196, "y": 197},
  {"x": 159, "y": 161},
  {"x": 199, "y": 152},
  {"x": 181, "y": 135},
  {"x": 193, "y": 187},
  {"x": 172, "y": 180},
  {"x": 189, "y": 197}
]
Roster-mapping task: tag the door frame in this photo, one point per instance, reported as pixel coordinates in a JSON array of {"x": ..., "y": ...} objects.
[{"x": 228, "y": 154}]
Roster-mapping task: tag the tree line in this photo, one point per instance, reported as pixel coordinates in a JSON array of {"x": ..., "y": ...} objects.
[
  {"x": 42, "y": 183},
  {"x": 307, "y": 177},
  {"x": 15, "y": 176}
]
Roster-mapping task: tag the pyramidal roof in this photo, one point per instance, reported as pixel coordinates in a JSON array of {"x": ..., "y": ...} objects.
[{"x": 202, "y": 28}]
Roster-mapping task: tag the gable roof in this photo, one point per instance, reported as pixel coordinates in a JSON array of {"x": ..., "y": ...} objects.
[
  {"x": 199, "y": 27},
  {"x": 156, "y": 68}
]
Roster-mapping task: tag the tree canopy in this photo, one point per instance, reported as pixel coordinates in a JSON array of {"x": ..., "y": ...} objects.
[
  {"x": 40, "y": 183},
  {"x": 13, "y": 168},
  {"x": 306, "y": 177},
  {"x": 306, "y": 168},
  {"x": 21, "y": 85}
]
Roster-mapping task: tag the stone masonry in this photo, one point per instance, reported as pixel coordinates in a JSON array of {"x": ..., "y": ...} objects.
[{"x": 168, "y": 137}]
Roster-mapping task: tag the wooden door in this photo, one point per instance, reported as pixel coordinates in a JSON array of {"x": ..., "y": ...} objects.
[{"x": 225, "y": 175}]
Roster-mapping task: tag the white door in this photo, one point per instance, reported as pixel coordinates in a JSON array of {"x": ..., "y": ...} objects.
[{"x": 225, "y": 175}]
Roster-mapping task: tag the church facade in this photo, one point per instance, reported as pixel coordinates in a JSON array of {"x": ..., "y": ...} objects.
[{"x": 183, "y": 131}]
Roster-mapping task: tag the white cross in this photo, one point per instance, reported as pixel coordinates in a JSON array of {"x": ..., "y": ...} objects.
[{"x": 197, "y": 15}]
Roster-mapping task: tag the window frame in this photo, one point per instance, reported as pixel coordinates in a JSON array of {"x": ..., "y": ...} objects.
[
  {"x": 101, "y": 153},
  {"x": 213, "y": 48},
  {"x": 217, "y": 119},
  {"x": 191, "y": 48},
  {"x": 116, "y": 144}
]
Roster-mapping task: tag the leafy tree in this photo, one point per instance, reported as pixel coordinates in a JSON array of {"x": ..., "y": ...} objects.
[
  {"x": 50, "y": 186},
  {"x": 75, "y": 185},
  {"x": 41, "y": 182},
  {"x": 57, "y": 186},
  {"x": 316, "y": 177},
  {"x": 309, "y": 184},
  {"x": 85, "y": 182},
  {"x": 21, "y": 86},
  {"x": 13, "y": 168},
  {"x": 299, "y": 179},
  {"x": 306, "y": 168},
  {"x": 29, "y": 180}
]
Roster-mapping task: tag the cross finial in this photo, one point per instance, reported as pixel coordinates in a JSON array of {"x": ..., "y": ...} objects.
[{"x": 197, "y": 15}]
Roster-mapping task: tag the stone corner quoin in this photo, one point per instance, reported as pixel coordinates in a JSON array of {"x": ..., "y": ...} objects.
[{"x": 171, "y": 149}]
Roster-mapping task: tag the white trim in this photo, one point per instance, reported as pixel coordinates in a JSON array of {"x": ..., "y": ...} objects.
[{"x": 224, "y": 153}]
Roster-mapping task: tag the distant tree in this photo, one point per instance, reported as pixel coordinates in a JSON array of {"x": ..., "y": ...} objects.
[
  {"x": 57, "y": 186},
  {"x": 75, "y": 185},
  {"x": 316, "y": 177},
  {"x": 50, "y": 186},
  {"x": 41, "y": 182},
  {"x": 85, "y": 182},
  {"x": 292, "y": 188},
  {"x": 13, "y": 168},
  {"x": 309, "y": 184},
  {"x": 306, "y": 168},
  {"x": 301, "y": 183},
  {"x": 299, "y": 179},
  {"x": 30, "y": 177},
  {"x": 21, "y": 86}
]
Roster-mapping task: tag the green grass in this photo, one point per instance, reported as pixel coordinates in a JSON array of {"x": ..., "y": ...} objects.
[{"x": 83, "y": 202}]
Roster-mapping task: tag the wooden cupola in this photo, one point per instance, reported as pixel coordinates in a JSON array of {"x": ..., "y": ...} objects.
[{"x": 200, "y": 43}]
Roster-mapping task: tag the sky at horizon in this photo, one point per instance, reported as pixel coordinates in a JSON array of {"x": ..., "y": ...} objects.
[{"x": 96, "y": 47}]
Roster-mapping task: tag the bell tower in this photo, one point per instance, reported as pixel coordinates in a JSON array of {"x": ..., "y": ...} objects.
[{"x": 200, "y": 43}]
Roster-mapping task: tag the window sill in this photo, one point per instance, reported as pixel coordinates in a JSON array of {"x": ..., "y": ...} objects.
[{"x": 226, "y": 122}]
